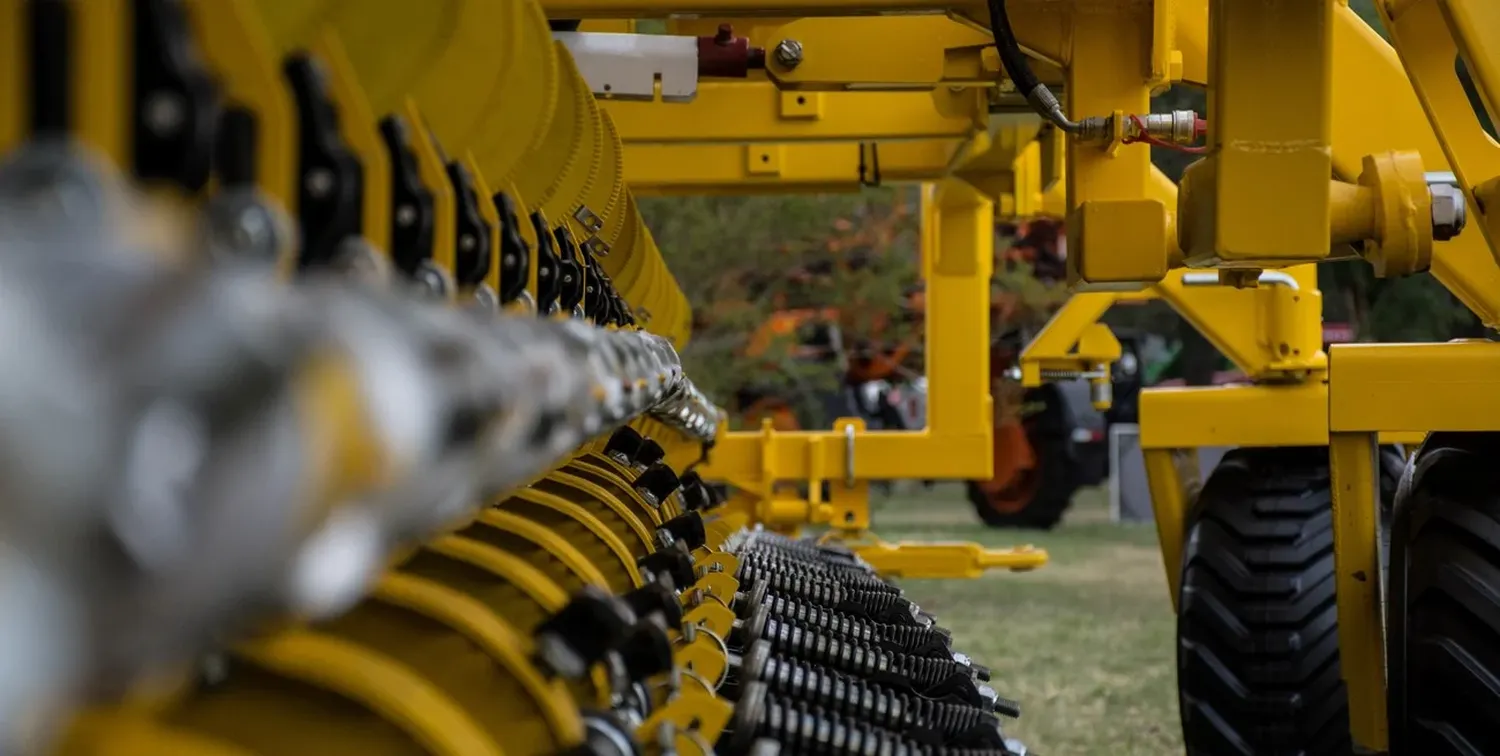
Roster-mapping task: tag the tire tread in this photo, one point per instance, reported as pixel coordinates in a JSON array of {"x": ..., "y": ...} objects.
[
  {"x": 1258, "y": 663},
  {"x": 1451, "y": 597}
]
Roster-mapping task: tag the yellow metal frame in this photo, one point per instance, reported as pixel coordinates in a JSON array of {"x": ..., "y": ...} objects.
[
  {"x": 972, "y": 170},
  {"x": 957, "y": 252}
]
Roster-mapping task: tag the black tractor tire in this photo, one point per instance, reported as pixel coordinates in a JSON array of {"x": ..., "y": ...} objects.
[
  {"x": 1059, "y": 475},
  {"x": 1443, "y": 614},
  {"x": 1257, "y": 635}
]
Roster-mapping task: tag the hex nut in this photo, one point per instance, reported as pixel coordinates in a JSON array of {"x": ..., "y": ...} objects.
[{"x": 1449, "y": 211}]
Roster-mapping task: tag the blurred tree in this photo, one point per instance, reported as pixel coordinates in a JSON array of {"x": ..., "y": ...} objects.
[
  {"x": 740, "y": 260},
  {"x": 853, "y": 259}
]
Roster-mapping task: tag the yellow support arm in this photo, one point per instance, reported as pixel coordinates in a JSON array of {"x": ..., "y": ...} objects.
[
  {"x": 958, "y": 252},
  {"x": 784, "y": 168},
  {"x": 756, "y": 111},
  {"x": 1009, "y": 164}
]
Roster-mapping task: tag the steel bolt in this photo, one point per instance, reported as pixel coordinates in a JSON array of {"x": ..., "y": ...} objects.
[
  {"x": 789, "y": 53},
  {"x": 431, "y": 281},
  {"x": 1449, "y": 212}
]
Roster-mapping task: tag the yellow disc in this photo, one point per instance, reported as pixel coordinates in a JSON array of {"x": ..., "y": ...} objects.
[
  {"x": 611, "y": 169},
  {"x": 642, "y": 294},
  {"x": 620, "y": 230},
  {"x": 394, "y": 44},
  {"x": 456, "y": 88},
  {"x": 635, "y": 264},
  {"x": 665, "y": 301},
  {"x": 293, "y": 23},
  {"x": 575, "y": 186},
  {"x": 519, "y": 122},
  {"x": 617, "y": 264},
  {"x": 542, "y": 171},
  {"x": 511, "y": 38},
  {"x": 608, "y": 182}
]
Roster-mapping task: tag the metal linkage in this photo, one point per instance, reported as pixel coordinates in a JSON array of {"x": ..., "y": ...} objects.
[{"x": 191, "y": 448}]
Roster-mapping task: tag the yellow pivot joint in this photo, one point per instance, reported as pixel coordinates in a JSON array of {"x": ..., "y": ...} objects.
[{"x": 1271, "y": 154}]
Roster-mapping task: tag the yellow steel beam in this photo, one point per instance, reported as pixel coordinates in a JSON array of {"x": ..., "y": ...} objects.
[
  {"x": 1180, "y": 26},
  {"x": 1356, "y": 558},
  {"x": 863, "y": 56},
  {"x": 958, "y": 255},
  {"x": 1006, "y": 164},
  {"x": 1168, "y": 473},
  {"x": 1414, "y": 387},
  {"x": 657, "y": 169},
  {"x": 884, "y": 51},
  {"x": 1110, "y": 189},
  {"x": 756, "y": 111},
  {"x": 1118, "y": 228},
  {"x": 1178, "y": 418},
  {"x": 737, "y": 8},
  {"x": 1262, "y": 163},
  {"x": 1376, "y": 388}
]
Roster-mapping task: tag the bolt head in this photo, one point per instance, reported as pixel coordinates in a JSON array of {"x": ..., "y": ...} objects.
[
  {"x": 432, "y": 281},
  {"x": 1449, "y": 211},
  {"x": 320, "y": 183},
  {"x": 788, "y": 53}
]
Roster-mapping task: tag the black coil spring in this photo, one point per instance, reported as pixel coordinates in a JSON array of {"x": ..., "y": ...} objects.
[
  {"x": 909, "y": 638},
  {"x": 854, "y": 657},
  {"x": 912, "y": 638},
  {"x": 810, "y": 561},
  {"x": 886, "y": 607},
  {"x": 808, "y": 587},
  {"x": 801, "y": 549},
  {"x": 854, "y": 579},
  {"x": 800, "y": 728},
  {"x": 879, "y": 604},
  {"x": 925, "y": 671},
  {"x": 781, "y": 606},
  {"x": 871, "y": 702},
  {"x": 804, "y": 729},
  {"x": 857, "y": 657}
]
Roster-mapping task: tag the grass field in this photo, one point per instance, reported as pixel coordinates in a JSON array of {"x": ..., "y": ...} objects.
[{"x": 1084, "y": 644}]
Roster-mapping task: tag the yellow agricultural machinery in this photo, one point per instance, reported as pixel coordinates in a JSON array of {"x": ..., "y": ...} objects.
[{"x": 344, "y": 413}]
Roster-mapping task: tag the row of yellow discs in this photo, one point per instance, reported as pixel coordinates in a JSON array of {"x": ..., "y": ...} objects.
[
  {"x": 439, "y": 659},
  {"x": 489, "y": 81}
]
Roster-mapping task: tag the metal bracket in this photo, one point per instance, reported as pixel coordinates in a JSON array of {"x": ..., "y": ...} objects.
[{"x": 628, "y": 66}]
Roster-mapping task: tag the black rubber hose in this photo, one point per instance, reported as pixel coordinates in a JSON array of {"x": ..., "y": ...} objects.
[
  {"x": 1011, "y": 57},
  {"x": 1019, "y": 70}
]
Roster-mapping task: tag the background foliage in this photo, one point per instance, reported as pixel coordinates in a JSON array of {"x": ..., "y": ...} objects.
[{"x": 739, "y": 259}]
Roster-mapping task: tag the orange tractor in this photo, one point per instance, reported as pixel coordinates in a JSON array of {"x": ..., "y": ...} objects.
[{"x": 1048, "y": 441}]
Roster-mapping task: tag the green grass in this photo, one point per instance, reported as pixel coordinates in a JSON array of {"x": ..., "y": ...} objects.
[{"x": 1085, "y": 644}]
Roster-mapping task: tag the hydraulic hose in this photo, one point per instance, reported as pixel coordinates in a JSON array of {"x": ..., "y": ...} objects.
[{"x": 1019, "y": 70}]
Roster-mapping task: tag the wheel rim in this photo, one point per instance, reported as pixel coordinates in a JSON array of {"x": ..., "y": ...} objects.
[{"x": 1018, "y": 471}]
